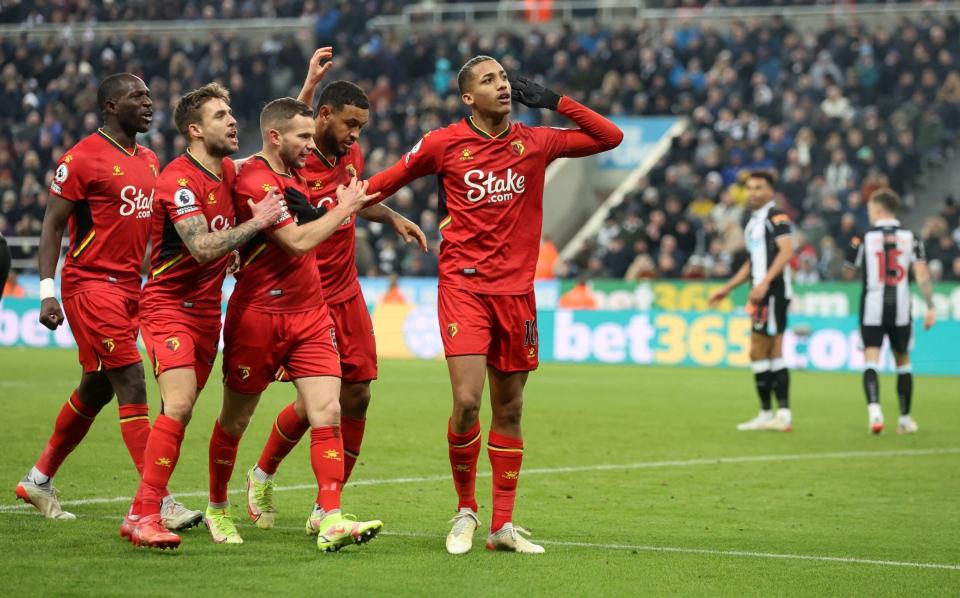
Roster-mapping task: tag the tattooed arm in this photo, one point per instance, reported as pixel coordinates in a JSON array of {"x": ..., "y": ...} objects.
[{"x": 206, "y": 246}]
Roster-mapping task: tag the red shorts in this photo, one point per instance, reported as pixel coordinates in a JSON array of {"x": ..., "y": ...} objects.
[
  {"x": 358, "y": 346},
  {"x": 105, "y": 326},
  {"x": 258, "y": 344},
  {"x": 502, "y": 327},
  {"x": 176, "y": 338}
]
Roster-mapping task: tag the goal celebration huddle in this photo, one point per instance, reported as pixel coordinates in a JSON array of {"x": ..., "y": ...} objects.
[{"x": 283, "y": 222}]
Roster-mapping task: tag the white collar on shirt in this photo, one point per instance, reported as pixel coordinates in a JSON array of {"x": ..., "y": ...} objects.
[{"x": 887, "y": 222}]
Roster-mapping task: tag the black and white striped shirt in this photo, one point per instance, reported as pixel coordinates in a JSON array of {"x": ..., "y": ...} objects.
[
  {"x": 766, "y": 226},
  {"x": 884, "y": 255}
]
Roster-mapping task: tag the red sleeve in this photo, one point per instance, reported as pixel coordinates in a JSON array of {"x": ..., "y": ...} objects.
[
  {"x": 426, "y": 157},
  {"x": 177, "y": 194},
  {"x": 72, "y": 175},
  {"x": 253, "y": 183},
  {"x": 596, "y": 133}
]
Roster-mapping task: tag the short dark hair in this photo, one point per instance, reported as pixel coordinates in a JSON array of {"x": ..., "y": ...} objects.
[
  {"x": 765, "y": 175},
  {"x": 886, "y": 199},
  {"x": 343, "y": 93},
  {"x": 465, "y": 76},
  {"x": 112, "y": 87},
  {"x": 189, "y": 110},
  {"x": 282, "y": 110}
]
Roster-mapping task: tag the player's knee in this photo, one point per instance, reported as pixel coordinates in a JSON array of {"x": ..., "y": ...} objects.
[
  {"x": 95, "y": 392},
  {"x": 466, "y": 401},
  {"x": 509, "y": 412},
  {"x": 354, "y": 400},
  {"x": 235, "y": 425},
  {"x": 178, "y": 408}
]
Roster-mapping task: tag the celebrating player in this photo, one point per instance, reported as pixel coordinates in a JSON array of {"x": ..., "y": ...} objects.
[
  {"x": 192, "y": 236},
  {"x": 492, "y": 173},
  {"x": 885, "y": 254},
  {"x": 277, "y": 319},
  {"x": 342, "y": 113},
  {"x": 102, "y": 188},
  {"x": 769, "y": 239}
]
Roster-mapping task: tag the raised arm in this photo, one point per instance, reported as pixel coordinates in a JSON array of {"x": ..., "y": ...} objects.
[
  {"x": 320, "y": 63},
  {"x": 206, "y": 246},
  {"x": 596, "y": 133},
  {"x": 51, "y": 236}
]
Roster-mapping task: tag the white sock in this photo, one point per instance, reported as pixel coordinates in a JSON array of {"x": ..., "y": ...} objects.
[
  {"x": 38, "y": 478},
  {"x": 260, "y": 475},
  {"x": 318, "y": 511},
  {"x": 784, "y": 415},
  {"x": 219, "y": 505},
  {"x": 904, "y": 419},
  {"x": 874, "y": 412},
  {"x": 766, "y": 414}
]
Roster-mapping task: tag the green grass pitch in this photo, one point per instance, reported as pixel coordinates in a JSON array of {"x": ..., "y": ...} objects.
[{"x": 635, "y": 479}]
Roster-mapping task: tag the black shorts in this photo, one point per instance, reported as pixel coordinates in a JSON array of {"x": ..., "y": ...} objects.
[
  {"x": 901, "y": 337},
  {"x": 770, "y": 317}
]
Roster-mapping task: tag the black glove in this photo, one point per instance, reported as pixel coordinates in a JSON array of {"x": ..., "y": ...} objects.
[
  {"x": 299, "y": 204},
  {"x": 532, "y": 94}
]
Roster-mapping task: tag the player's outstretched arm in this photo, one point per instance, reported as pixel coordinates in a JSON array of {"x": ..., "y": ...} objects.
[
  {"x": 298, "y": 240},
  {"x": 206, "y": 246},
  {"x": 51, "y": 235},
  {"x": 596, "y": 133},
  {"x": 736, "y": 280},
  {"x": 320, "y": 63},
  {"x": 404, "y": 227},
  {"x": 922, "y": 273}
]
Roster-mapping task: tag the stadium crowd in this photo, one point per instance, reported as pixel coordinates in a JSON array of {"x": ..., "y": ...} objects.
[{"x": 836, "y": 114}]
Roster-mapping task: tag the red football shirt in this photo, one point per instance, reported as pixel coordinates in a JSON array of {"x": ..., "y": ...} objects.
[
  {"x": 491, "y": 193},
  {"x": 112, "y": 192},
  {"x": 187, "y": 188},
  {"x": 271, "y": 280},
  {"x": 336, "y": 257}
]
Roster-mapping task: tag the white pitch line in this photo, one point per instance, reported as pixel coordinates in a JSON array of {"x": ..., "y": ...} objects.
[
  {"x": 716, "y": 552},
  {"x": 655, "y": 549},
  {"x": 555, "y": 470}
]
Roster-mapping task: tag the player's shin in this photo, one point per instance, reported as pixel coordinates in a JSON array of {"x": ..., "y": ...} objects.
[
  {"x": 135, "y": 429},
  {"x": 905, "y": 388},
  {"x": 160, "y": 458},
  {"x": 464, "y": 451},
  {"x": 762, "y": 379},
  {"x": 506, "y": 457},
  {"x": 72, "y": 424},
  {"x": 352, "y": 431},
  {"x": 326, "y": 457},
  {"x": 222, "y": 455},
  {"x": 287, "y": 431}
]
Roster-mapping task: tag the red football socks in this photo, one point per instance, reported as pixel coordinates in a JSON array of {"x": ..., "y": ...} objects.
[
  {"x": 326, "y": 457},
  {"x": 464, "y": 453},
  {"x": 506, "y": 457},
  {"x": 285, "y": 434},
  {"x": 223, "y": 454},
  {"x": 160, "y": 459},
  {"x": 352, "y": 431},
  {"x": 135, "y": 429},
  {"x": 73, "y": 423}
]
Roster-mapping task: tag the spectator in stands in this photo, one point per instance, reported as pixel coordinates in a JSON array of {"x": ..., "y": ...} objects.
[{"x": 579, "y": 297}]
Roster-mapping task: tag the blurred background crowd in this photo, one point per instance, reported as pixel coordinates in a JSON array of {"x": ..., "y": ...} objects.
[{"x": 835, "y": 113}]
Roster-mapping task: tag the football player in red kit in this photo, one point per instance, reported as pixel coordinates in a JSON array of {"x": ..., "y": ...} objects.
[
  {"x": 343, "y": 111},
  {"x": 193, "y": 234},
  {"x": 278, "y": 322},
  {"x": 102, "y": 190},
  {"x": 491, "y": 190}
]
